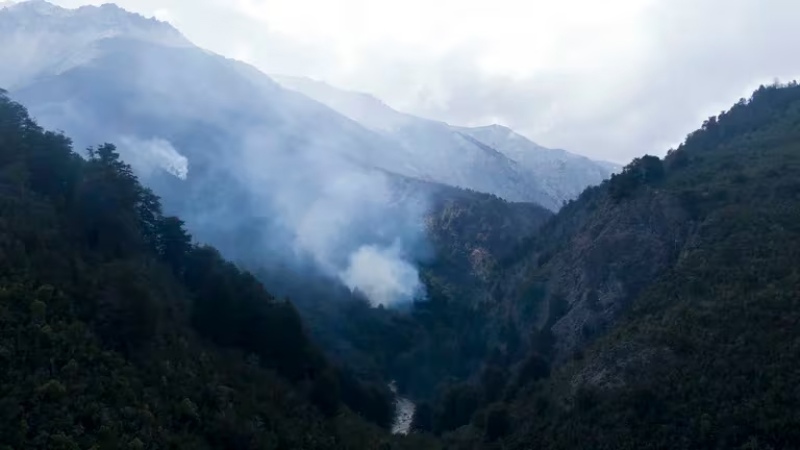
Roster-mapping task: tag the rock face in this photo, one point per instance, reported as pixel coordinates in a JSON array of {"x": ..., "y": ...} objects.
[
  {"x": 668, "y": 297},
  {"x": 607, "y": 265},
  {"x": 594, "y": 262}
]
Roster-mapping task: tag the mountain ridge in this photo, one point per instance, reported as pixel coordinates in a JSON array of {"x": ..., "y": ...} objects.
[
  {"x": 556, "y": 175},
  {"x": 283, "y": 184},
  {"x": 658, "y": 308},
  {"x": 68, "y": 36},
  {"x": 120, "y": 332}
]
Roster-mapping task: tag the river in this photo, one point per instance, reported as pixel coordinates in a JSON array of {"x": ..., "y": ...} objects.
[{"x": 403, "y": 412}]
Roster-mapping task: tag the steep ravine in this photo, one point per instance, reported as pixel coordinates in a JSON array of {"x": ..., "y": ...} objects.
[{"x": 403, "y": 412}]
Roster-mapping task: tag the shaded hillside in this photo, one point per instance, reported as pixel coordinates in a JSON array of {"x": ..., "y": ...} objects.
[
  {"x": 470, "y": 233},
  {"x": 117, "y": 332},
  {"x": 438, "y": 337},
  {"x": 277, "y": 182},
  {"x": 669, "y": 299}
]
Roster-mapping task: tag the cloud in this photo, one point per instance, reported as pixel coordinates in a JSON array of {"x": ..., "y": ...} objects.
[
  {"x": 163, "y": 15},
  {"x": 611, "y": 80}
]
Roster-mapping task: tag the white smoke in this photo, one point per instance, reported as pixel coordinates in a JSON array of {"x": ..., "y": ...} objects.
[
  {"x": 148, "y": 156},
  {"x": 351, "y": 220},
  {"x": 278, "y": 180},
  {"x": 382, "y": 274}
]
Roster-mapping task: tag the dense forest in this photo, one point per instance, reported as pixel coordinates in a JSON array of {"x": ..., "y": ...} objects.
[
  {"x": 447, "y": 334},
  {"x": 119, "y": 332},
  {"x": 661, "y": 307},
  {"x": 657, "y": 310}
]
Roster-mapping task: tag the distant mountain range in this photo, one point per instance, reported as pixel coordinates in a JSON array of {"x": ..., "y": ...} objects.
[
  {"x": 258, "y": 169},
  {"x": 65, "y": 64},
  {"x": 492, "y": 159}
]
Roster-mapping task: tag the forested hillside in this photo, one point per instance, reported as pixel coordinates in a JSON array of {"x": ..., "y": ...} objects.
[
  {"x": 284, "y": 187},
  {"x": 117, "y": 332},
  {"x": 446, "y": 334},
  {"x": 661, "y": 308},
  {"x": 657, "y": 310}
]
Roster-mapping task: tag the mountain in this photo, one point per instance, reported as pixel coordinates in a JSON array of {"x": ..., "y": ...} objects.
[
  {"x": 42, "y": 39},
  {"x": 659, "y": 308},
  {"x": 254, "y": 168},
  {"x": 279, "y": 183},
  {"x": 56, "y": 54},
  {"x": 226, "y": 147},
  {"x": 119, "y": 332},
  {"x": 461, "y": 156},
  {"x": 655, "y": 310},
  {"x": 430, "y": 150},
  {"x": 562, "y": 175}
]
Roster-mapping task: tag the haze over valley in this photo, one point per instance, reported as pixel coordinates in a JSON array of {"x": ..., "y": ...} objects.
[{"x": 220, "y": 250}]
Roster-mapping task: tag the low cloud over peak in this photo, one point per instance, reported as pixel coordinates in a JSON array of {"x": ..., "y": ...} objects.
[{"x": 611, "y": 81}]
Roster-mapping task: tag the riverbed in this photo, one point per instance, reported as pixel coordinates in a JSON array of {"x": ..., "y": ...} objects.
[{"x": 403, "y": 412}]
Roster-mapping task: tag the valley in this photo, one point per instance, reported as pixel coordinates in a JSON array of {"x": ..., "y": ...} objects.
[{"x": 198, "y": 255}]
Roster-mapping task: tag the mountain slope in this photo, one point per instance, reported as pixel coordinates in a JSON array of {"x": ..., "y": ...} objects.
[
  {"x": 224, "y": 146},
  {"x": 446, "y": 333},
  {"x": 451, "y": 154},
  {"x": 117, "y": 332},
  {"x": 286, "y": 187},
  {"x": 42, "y": 39},
  {"x": 430, "y": 150},
  {"x": 666, "y": 299},
  {"x": 64, "y": 55},
  {"x": 257, "y": 170},
  {"x": 561, "y": 174}
]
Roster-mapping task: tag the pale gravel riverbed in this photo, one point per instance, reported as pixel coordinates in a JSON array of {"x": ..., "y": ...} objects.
[{"x": 403, "y": 412}]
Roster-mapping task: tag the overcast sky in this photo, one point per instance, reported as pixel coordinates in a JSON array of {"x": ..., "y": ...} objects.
[{"x": 611, "y": 80}]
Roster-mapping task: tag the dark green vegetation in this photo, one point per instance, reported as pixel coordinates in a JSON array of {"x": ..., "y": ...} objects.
[
  {"x": 445, "y": 336},
  {"x": 660, "y": 309},
  {"x": 116, "y": 332}
]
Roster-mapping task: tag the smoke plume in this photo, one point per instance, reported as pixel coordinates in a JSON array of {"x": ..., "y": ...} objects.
[
  {"x": 382, "y": 274},
  {"x": 147, "y": 156}
]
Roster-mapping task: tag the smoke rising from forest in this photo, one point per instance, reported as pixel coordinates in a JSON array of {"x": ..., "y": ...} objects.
[
  {"x": 354, "y": 222},
  {"x": 268, "y": 176},
  {"x": 147, "y": 156}
]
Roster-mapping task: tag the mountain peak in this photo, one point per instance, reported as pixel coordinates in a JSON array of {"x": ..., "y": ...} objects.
[
  {"x": 106, "y": 20},
  {"x": 40, "y": 7},
  {"x": 57, "y": 39},
  {"x": 496, "y": 129}
]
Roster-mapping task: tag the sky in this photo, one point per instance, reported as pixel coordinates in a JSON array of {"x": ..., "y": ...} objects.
[{"x": 611, "y": 80}]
